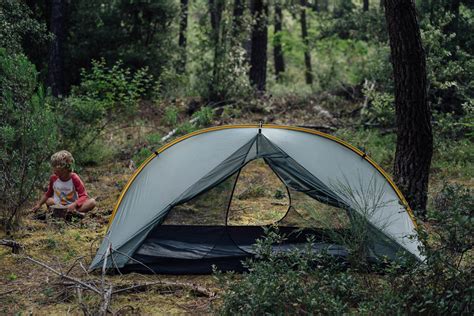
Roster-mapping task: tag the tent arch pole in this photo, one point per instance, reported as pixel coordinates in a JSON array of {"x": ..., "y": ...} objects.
[{"x": 256, "y": 126}]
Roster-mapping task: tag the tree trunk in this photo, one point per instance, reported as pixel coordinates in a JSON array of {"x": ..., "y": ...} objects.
[
  {"x": 277, "y": 49},
  {"x": 55, "y": 60},
  {"x": 366, "y": 5},
  {"x": 237, "y": 15},
  {"x": 324, "y": 5},
  {"x": 414, "y": 135},
  {"x": 183, "y": 26},
  {"x": 239, "y": 32},
  {"x": 453, "y": 25},
  {"x": 307, "y": 54},
  {"x": 258, "y": 56},
  {"x": 215, "y": 9}
]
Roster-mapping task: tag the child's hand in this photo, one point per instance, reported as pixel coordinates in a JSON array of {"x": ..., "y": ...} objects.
[
  {"x": 71, "y": 207},
  {"x": 36, "y": 207}
]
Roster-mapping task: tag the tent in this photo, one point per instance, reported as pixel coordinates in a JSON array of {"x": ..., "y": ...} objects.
[{"x": 154, "y": 228}]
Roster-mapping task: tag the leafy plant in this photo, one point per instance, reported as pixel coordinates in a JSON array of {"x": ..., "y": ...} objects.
[
  {"x": 171, "y": 116},
  {"x": 27, "y": 135},
  {"x": 104, "y": 95},
  {"x": 204, "y": 116}
]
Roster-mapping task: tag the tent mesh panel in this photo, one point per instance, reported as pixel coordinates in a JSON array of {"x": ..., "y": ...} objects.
[
  {"x": 259, "y": 198},
  {"x": 309, "y": 213},
  {"x": 208, "y": 208}
]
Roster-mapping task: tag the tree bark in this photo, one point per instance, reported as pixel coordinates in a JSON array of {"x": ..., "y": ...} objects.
[
  {"x": 55, "y": 58},
  {"x": 215, "y": 9},
  {"x": 183, "y": 26},
  {"x": 413, "y": 114},
  {"x": 307, "y": 54},
  {"x": 366, "y": 5},
  {"x": 453, "y": 25},
  {"x": 324, "y": 5},
  {"x": 277, "y": 48},
  {"x": 237, "y": 15},
  {"x": 258, "y": 55},
  {"x": 239, "y": 31}
]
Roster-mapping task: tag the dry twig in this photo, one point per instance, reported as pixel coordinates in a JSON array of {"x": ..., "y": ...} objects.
[{"x": 16, "y": 246}]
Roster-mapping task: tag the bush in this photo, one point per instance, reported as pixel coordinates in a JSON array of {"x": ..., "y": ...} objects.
[
  {"x": 449, "y": 63},
  {"x": 27, "y": 135},
  {"x": 104, "y": 95},
  {"x": 302, "y": 282},
  {"x": 380, "y": 110},
  {"x": 279, "y": 283}
]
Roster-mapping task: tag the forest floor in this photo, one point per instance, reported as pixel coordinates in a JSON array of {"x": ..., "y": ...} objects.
[{"x": 26, "y": 288}]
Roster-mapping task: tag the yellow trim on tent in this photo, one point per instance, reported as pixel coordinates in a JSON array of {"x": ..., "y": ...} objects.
[{"x": 299, "y": 129}]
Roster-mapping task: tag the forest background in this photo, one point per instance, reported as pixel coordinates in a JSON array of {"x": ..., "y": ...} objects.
[{"x": 111, "y": 81}]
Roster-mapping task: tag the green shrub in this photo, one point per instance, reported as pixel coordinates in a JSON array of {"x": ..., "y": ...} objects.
[
  {"x": 27, "y": 135},
  {"x": 380, "y": 110},
  {"x": 302, "y": 282},
  {"x": 19, "y": 25},
  {"x": 105, "y": 94},
  {"x": 452, "y": 218},
  {"x": 116, "y": 86},
  {"x": 288, "y": 283},
  {"x": 141, "y": 156},
  {"x": 171, "y": 116},
  {"x": 185, "y": 128},
  {"x": 204, "y": 116},
  {"x": 154, "y": 140},
  {"x": 449, "y": 61}
]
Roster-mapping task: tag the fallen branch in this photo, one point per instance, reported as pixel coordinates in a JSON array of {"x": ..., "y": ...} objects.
[
  {"x": 64, "y": 276},
  {"x": 7, "y": 292},
  {"x": 181, "y": 285},
  {"x": 106, "y": 290},
  {"x": 16, "y": 246}
]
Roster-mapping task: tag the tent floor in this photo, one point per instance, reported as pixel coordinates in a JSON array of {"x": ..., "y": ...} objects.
[{"x": 176, "y": 249}]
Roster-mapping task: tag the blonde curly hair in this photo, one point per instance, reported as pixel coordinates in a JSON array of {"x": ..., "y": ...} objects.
[{"x": 62, "y": 159}]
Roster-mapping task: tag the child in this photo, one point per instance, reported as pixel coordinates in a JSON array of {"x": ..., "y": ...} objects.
[{"x": 65, "y": 187}]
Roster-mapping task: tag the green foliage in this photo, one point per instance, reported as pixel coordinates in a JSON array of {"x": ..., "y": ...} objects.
[
  {"x": 104, "y": 95},
  {"x": 453, "y": 147},
  {"x": 154, "y": 139},
  {"x": 171, "y": 116},
  {"x": 453, "y": 219},
  {"x": 117, "y": 87},
  {"x": 18, "y": 26},
  {"x": 27, "y": 135},
  {"x": 289, "y": 283},
  {"x": 140, "y": 33},
  {"x": 303, "y": 282},
  {"x": 450, "y": 63},
  {"x": 219, "y": 68},
  {"x": 171, "y": 84},
  {"x": 450, "y": 126},
  {"x": 12, "y": 277},
  {"x": 380, "y": 109},
  {"x": 204, "y": 116},
  {"x": 185, "y": 128},
  {"x": 367, "y": 26},
  {"x": 141, "y": 156}
]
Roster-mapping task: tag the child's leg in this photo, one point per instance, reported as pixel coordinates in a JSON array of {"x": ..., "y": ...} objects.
[
  {"x": 87, "y": 206},
  {"x": 50, "y": 202}
]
